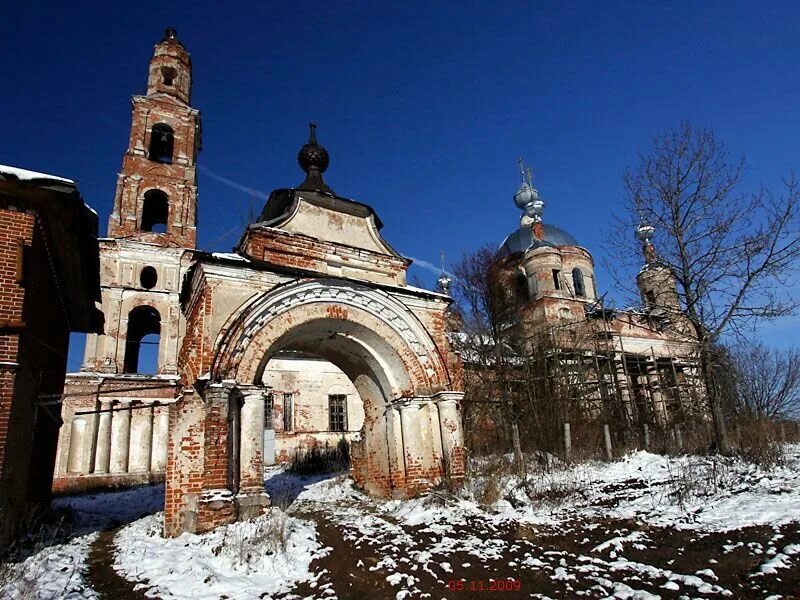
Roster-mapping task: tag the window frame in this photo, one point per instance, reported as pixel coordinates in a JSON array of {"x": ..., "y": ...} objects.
[{"x": 341, "y": 410}]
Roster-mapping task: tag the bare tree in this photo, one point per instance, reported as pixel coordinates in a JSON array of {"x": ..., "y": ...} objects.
[
  {"x": 487, "y": 339},
  {"x": 732, "y": 254},
  {"x": 766, "y": 381}
]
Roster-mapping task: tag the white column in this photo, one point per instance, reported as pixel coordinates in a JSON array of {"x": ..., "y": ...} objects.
[
  {"x": 141, "y": 440},
  {"x": 76, "y": 443},
  {"x": 158, "y": 454},
  {"x": 251, "y": 453},
  {"x": 450, "y": 423},
  {"x": 103, "y": 453},
  {"x": 120, "y": 438},
  {"x": 412, "y": 443}
]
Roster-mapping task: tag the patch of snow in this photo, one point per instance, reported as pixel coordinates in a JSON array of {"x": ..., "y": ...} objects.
[
  {"x": 781, "y": 560},
  {"x": 251, "y": 559},
  {"x": 57, "y": 571},
  {"x": 54, "y": 572},
  {"x": 230, "y": 256}
]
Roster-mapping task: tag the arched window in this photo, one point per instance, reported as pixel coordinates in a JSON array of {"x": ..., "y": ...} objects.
[
  {"x": 521, "y": 287},
  {"x": 168, "y": 75},
  {"x": 162, "y": 141},
  {"x": 577, "y": 282},
  {"x": 556, "y": 279},
  {"x": 155, "y": 210},
  {"x": 143, "y": 336}
]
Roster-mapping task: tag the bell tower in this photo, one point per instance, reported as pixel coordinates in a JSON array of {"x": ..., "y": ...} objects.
[
  {"x": 655, "y": 280},
  {"x": 156, "y": 194}
]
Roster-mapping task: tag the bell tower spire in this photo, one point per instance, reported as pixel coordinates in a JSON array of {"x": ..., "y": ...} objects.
[
  {"x": 156, "y": 196},
  {"x": 170, "y": 69}
]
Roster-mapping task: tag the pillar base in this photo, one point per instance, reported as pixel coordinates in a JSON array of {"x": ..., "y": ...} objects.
[
  {"x": 216, "y": 507},
  {"x": 250, "y": 505}
]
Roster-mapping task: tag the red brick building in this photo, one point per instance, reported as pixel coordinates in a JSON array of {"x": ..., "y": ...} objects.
[{"x": 48, "y": 288}]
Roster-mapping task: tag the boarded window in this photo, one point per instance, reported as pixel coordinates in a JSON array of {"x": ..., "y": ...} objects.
[
  {"x": 577, "y": 281},
  {"x": 269, "y": 402},
  {"x": 288, "y": 412},
  {"x": 337, "y": 407}
]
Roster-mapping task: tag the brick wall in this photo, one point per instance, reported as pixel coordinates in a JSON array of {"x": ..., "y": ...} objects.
[{"x": 34, "y": 333}]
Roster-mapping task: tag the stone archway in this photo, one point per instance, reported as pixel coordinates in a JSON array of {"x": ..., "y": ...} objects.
[
  {"x": 411, "y": 436},
  {"x": 411, "y": 430}
]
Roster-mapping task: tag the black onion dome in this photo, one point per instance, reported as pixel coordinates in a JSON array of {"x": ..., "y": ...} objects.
[
  {"x": 314, "y": 160},
  {"x": 312, "y": 155}
]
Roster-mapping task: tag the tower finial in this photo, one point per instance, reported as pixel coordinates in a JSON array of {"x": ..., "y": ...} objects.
[
  {"x": 314, "y": 160},
  {"x": 444, "y": 281},
  {"x": 645, "y": 233},
  {"x": 527, "y": 199},
  {"x": 170, "y": 34}
]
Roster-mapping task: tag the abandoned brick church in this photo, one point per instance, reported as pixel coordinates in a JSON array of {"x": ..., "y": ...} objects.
[{"x": 307, "y": 333}]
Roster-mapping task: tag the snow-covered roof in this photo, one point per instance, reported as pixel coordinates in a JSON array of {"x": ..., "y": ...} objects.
[{"x": 25, "y": 175}]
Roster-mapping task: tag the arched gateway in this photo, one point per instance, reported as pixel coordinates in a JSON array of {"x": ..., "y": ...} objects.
[{"x": 312, "y": 276}]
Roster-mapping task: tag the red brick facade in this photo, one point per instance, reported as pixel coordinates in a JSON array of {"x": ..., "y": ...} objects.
[
  {"x": 42, "y": 296},
  {"x": 170, "y": 169}
]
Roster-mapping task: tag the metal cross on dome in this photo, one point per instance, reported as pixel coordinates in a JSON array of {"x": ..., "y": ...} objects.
[{"x": 526, "y": 173}]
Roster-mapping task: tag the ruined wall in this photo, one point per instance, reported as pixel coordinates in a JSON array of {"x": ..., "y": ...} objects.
[{"x": 327, "y": 258}]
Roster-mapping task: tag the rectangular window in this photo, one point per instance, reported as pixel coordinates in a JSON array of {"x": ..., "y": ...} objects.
[
  {"x": 269, "y": 402},
  {"x": 557, "y": 279},
  {"x": 337, "y": 406},
  {"x": 288, "y": 412}
]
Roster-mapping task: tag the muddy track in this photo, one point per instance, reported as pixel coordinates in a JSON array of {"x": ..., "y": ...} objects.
[
  {"x": 100, "y": 574},
  {"x": 411, "y": 562}
]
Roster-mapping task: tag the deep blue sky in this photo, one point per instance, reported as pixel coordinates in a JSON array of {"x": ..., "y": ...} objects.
[{"x": 425, "y": 107}]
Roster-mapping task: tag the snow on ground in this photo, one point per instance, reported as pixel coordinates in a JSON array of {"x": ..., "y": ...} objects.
[
  {"x": 54, "y": 565},
  {"x": 645, "y": 526},
  {"x": 574, "y": 528},
  {"x": 708, "y": 493},
  {"x": 686, "y": 492},
  {"x": 251, "y": 559},
  {"x": 53, "y": 572}
]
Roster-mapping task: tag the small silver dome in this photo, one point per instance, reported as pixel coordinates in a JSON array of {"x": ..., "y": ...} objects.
[
  {"x": 524, "y": 195},
  {"x": 522, "y": 239}
]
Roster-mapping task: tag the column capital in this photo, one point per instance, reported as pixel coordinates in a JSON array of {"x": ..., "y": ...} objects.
[
  {"x": 404, "y": 404},
  {"x": 218, "y": 392},
  {"x": 446, "y": 396},
  {"x": 249, "y": 389}
]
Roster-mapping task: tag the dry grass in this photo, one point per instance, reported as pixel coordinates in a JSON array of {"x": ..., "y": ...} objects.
[
  {"x": 758, "y": 442},
  {"x": 318, "y": 460}
]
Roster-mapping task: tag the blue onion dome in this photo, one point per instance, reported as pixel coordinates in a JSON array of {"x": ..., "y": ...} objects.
[{"x": 522, "y": 239}]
